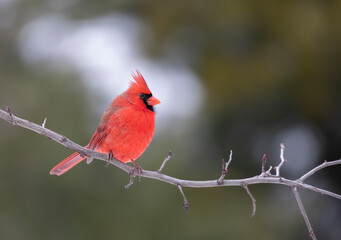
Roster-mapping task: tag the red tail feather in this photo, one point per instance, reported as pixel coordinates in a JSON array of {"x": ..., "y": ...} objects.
[{"x": 66, "y": 164}]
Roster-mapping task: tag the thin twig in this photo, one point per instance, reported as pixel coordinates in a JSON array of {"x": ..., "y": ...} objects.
[
  {"x": 303, "y": 213},
  {"x": 43, "y": 124},
  {"x": 252, "y": 199},
  {"x": 164, "y": 161},
  {"x": 318, "y": 168},
  {"x": 268, "y": 172},
  {"x": 224, "y": 170},
  {"x": 282, "y": 160},
  {"x": 185, "y": 203},
  {"x": 229, "y": 161}
]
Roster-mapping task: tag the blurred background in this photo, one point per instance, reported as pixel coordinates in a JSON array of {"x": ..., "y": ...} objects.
[{"x": 240, "y": 75}]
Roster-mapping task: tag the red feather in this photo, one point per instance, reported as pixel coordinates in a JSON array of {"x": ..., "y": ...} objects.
[{"x": 126, "y": 128}]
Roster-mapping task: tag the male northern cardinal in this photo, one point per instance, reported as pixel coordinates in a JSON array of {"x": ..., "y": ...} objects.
[{"x": 126, "y": 128}]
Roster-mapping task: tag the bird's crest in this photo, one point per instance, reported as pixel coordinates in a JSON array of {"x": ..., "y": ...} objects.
[{"x": 139, "y": 84}]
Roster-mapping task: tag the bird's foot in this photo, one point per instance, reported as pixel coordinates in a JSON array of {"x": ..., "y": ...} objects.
[
  {"x": 137, "y": 170},
  {"x": 110, "y": 158},
  {"x": 131, "y": 179}
]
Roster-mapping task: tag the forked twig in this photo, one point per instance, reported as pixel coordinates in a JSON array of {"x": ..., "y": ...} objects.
[{"x": 224, "y": 170}]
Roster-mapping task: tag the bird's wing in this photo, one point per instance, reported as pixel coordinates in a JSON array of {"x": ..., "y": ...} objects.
[
  {"x": 103, "y": 128},
  {"x": 110, "y": 115},
  {"x": 100, "y": 134}
]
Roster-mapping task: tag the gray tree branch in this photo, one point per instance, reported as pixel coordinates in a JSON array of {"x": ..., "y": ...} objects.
[
  {"x": 303, "y": 213},
  {"x": 263, "y": 178}
]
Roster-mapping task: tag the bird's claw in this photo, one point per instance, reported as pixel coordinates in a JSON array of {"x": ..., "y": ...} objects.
[
  {"x": 137, "y": 170},
  {"x": 110, "y": 158}
]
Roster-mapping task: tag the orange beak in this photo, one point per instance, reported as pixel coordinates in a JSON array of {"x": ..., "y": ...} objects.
[{"x": 152, "y": 101}]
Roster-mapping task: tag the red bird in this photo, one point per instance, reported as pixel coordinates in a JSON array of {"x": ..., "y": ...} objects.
[{"x": 126, "y": 128}]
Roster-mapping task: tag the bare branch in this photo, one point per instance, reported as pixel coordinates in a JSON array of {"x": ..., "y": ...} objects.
[
  {"x": 229, "y": 161},
  {"x": 224, "y": 170},
  {"x": 185, "y": 203},
  {"x": 318, "y": 168},
  {"x": 263, "y": 178},
  {"x": 304, "y": 214},
  {"x": 282, "y": 160},
  {"x": 164, "y": 161},
  {"x": 252, "y": 199},
  {"x": 268, "y": 172},
  {"x": 162, "y": 177},
  {"x": 43, "y": 124}
]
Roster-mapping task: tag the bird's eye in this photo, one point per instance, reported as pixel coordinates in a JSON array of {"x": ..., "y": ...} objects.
[{"x": 142, "y": 95}]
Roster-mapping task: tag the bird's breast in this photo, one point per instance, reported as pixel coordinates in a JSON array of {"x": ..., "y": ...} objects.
[{"x": 131, "y": 131}]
